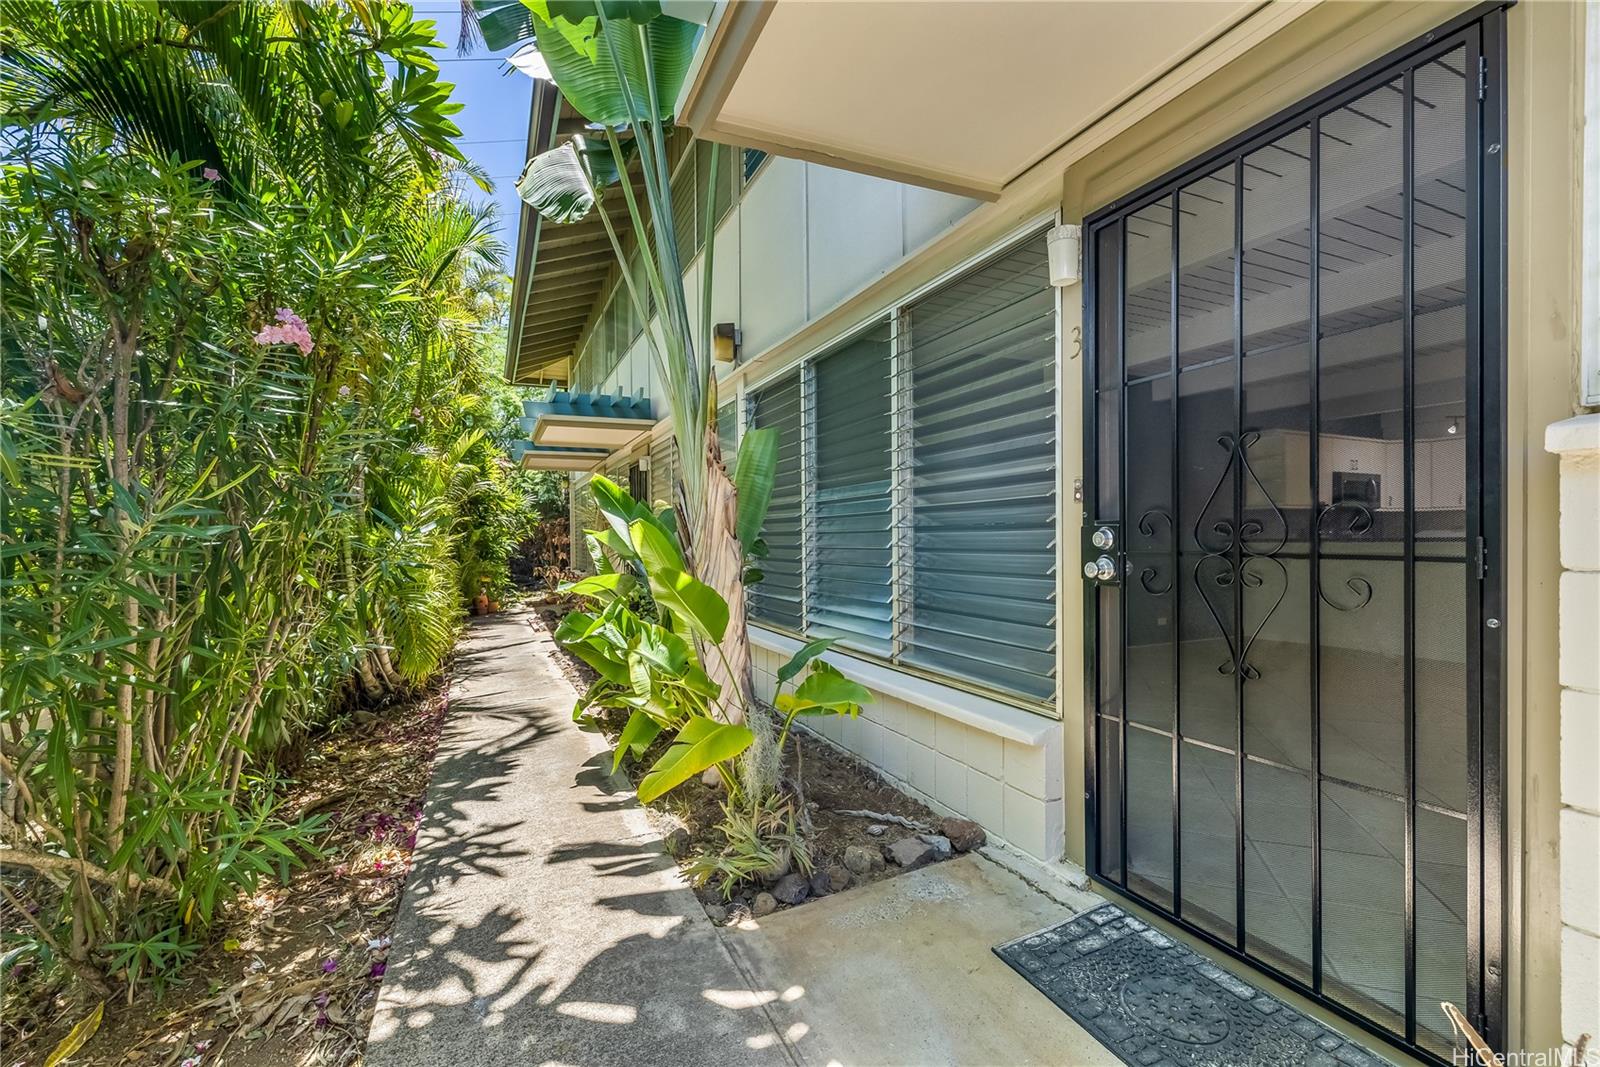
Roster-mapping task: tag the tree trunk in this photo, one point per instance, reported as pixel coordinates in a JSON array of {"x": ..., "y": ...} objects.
[
  {"x": 369, "y": 679},
  {"x": 121, "y": 474},
  {"x": 718, "y": 561}
]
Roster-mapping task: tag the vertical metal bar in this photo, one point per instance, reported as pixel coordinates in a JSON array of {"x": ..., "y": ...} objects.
[
  {"x": 1090, "y": 316},
  {"x": 1314, "y": 638},
  {"x": 1122, "y": 513},
  {"x": 1238, "y": 549},
  {"x": 1475, "y": 569},
  {"x": 1177, "y": 744},
  {"x": 1408, "y": 408},
  {"x": 1484, "y": 153}
]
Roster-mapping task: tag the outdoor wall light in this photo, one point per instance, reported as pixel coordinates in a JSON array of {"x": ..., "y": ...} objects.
[
  {"x": 725, "y": 339},
  {"x": 1065, "y": 243}
]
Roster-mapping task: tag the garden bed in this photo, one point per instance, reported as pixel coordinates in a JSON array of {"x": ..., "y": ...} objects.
[
  {"x": 847, "y": 850},
  {"x": 290, "y": 975}
]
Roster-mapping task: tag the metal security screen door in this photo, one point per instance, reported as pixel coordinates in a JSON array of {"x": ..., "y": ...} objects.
[{"x": 1292, "y": 752}]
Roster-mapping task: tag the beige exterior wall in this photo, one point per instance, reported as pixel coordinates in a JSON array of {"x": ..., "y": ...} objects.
[{"x": 1545, "y": 54}]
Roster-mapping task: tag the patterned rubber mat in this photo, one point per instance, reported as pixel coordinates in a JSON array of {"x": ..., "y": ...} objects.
[{"x": 1157, "y": 1003}]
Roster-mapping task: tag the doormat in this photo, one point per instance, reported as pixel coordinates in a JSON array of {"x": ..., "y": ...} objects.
[{"x": 1157, "y": 1003}]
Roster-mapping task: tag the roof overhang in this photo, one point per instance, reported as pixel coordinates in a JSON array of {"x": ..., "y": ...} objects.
[
  {"x": 532, "y": 358},
  {"x": 961, "y": 95},
  {"x": 584, "y": 422},
  {"x": 544, "y": 458}
]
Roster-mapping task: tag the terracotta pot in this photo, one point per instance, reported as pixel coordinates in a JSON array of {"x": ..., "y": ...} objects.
[
  {"x": 480, "y": 604},
  {"x": 494, "y": 607}
]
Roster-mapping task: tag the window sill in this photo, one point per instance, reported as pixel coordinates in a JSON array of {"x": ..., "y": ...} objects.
[
  {"x": 1579, "y": 435},
  {"x": 982, "y": 713}
]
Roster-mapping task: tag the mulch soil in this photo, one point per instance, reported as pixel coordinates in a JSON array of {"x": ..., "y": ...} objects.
[
  {"x": 833, "y": 780},
  {"x": 291, "y": 974}
]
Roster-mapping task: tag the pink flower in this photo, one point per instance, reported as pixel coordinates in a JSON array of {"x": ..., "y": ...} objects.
[
  {"x": 211, "y": 174},
  {"x": 290, "y": 329},
  {"x": 344, "y": 391},
  {"x": 378, "y": 969},
  {"x": 330, "y": 965}
]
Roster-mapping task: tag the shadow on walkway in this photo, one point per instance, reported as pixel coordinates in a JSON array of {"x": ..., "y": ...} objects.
[{"x": 543, "y": 923}]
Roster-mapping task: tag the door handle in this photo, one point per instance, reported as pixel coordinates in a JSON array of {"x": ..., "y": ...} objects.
[
  {"x": 1102, "y": 552},
  {"x": 1103, "y": 569}
]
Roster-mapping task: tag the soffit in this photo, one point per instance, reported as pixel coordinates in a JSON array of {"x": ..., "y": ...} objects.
[{"x": 959, "y": 95}]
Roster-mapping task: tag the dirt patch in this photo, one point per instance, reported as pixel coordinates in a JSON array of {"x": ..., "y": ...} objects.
[
  {"x": 832, "y": 780},
  {"x": 291, "y": 975}
]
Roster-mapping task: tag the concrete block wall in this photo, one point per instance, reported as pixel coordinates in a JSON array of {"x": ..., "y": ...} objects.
[
  {"x": 1009, "y": 786},
  {"x": 1577, "y": 442}
]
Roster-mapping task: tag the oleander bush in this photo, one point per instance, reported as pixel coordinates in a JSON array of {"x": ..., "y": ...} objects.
[{"x": 245, "y": 450}]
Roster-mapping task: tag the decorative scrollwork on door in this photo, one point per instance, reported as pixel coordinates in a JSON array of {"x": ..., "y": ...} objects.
[
  {"x": 1357, "y": 585},
  {"x": 1149, "y": 525},
  {"x": 1361, "y": 517},
  {"x": 1244, "y": 555}
]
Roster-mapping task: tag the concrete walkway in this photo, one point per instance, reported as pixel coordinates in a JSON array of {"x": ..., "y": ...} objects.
[
  {"x": 902, "y": 972},
  {"x": 544, "y": 924}
]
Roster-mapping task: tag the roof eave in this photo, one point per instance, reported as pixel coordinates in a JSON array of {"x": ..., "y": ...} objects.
[{"x": 543, "y": 123}]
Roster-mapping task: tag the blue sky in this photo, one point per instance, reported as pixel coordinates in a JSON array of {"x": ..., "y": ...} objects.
[{"x": 494, "y": 120}]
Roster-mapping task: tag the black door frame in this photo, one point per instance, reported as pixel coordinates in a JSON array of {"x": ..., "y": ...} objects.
[{"x": 1484, "y": 30}]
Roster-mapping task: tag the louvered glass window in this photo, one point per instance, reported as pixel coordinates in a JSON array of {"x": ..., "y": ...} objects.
[
  {"x": 684, "y": 211},
  {"x": 753, "y": 158},
  {"x": 628, "y": 324},
  {"x": 779, "y": 597},
  {"x": 663, "y": 470},
  {"x": 852, "y": 508},
  {"x": 728, "y": 432},
  {"x": 981, "y": 561}
]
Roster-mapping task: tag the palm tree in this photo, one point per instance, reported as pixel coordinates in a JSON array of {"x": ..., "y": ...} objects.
[{"x": 620, "y": 63}]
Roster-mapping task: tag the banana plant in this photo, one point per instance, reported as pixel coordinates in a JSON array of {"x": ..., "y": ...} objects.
[
  {"x": 654, "y": 670},
  {"x": 621, "y": 63}
]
